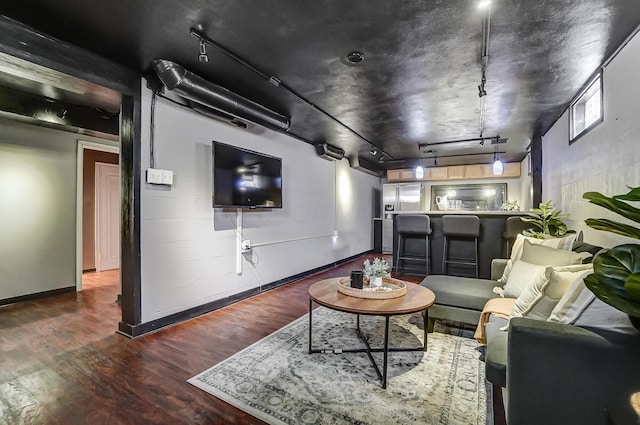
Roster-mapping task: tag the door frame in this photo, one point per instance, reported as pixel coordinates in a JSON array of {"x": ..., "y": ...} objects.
[{"x": 108, "y": 146}]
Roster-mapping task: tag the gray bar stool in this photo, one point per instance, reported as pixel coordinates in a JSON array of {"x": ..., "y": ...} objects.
[
  {"x": 514, "y": 226},
  {"x": 412, "y": 226},
  {"x": 460, "y": 227}
]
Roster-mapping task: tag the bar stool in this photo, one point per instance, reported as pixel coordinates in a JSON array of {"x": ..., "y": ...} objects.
[
  {"x": 412, "y": 226},
  {"x": 514, "y": 227},
  {"x": 460, "y": 227}
]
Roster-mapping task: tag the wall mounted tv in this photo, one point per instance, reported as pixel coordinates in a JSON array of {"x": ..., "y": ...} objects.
[{"x": 245, "y": 179}]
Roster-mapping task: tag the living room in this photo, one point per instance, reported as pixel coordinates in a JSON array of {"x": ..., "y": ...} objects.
[{"x": 189, "y": 262}]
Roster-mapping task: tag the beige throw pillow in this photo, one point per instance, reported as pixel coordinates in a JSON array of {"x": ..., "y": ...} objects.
[
  {"x": 522, "y": 275},
  {"x": 541, "y": 254},
  {"x": 565, "y": 243},
  {"x": 539, "y": 299}
]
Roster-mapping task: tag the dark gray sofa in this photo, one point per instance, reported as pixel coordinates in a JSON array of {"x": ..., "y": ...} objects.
[{"x": 550, "y": 373}]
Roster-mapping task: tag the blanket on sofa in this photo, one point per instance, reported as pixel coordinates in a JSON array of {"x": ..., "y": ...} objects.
[{"x": 500, "y": 307}]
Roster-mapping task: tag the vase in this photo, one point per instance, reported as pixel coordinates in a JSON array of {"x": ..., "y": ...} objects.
[{"x": 376, "y": 281}]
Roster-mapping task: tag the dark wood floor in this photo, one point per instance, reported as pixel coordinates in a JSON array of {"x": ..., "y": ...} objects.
[{"x": 61, "y": 361}]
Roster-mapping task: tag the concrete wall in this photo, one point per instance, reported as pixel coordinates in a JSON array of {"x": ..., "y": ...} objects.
[
  {"x": 607, "y": 159},
  {"x": 189, "y": 249},
  {"x": 37, "y": 208}
]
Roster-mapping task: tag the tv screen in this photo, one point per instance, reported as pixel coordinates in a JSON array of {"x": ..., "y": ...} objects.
[{"x": 245, "y": 179}]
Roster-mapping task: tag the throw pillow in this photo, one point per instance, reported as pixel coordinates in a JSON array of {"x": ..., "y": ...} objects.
[
  {"x": 564, "y": 243},
  {"x": 572, "y": 303},
  {"x": 599, "y": 314},
  {"x": 522, "y": 275},
  {"x": 539, "y": 299},
  {"x": 541, "y": 254}
]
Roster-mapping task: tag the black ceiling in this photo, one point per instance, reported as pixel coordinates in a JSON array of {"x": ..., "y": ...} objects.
[{"x": 417, "y": 84}]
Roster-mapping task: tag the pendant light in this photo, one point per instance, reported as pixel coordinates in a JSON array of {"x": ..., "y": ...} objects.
[
  {"x": 419, "y": 172},
  {"x": 498, "y": 166}
]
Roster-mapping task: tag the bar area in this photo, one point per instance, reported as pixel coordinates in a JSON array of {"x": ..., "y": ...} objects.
[{"x": 491, "y": 243}]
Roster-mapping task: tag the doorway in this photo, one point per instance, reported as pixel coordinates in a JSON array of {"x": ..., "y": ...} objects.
[{"x": 98, "y": 212}]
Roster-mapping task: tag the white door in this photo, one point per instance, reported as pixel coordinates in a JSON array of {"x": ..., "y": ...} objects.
[{"x": 107, "y": 217}]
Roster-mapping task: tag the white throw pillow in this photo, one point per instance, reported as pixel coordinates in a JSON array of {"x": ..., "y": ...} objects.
[
  {"x": 539, "y": 299},
  {"x": 522, "y": 275},
  {"x": 564, "y": 243},
  {"x": 572, "y": 304}
]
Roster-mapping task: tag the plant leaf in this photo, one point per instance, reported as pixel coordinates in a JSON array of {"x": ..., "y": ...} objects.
[
  {"x": 633, "y": 195},
  {"x": 612, "y": 270},
  {"x": 613, "y": 227},
  {"x": 614, "y": 205},
  {"x": 632, "y": 285}
]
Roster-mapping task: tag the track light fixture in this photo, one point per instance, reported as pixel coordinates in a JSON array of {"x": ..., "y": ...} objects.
[
  {"x": 373, "y": 150},
  {"x": 419, "y": 172},
  {"x": 435, "y": 161},
  {"x": 202, "y": 57}
]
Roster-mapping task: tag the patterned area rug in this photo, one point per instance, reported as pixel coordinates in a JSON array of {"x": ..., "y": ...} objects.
[{"x": 277, "y": 381}]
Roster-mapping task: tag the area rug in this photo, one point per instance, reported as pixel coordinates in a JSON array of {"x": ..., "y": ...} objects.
[{"x": 277, "y": 381}]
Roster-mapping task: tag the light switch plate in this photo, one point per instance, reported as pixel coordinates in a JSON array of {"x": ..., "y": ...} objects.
[{"x": 157, "y": 176}]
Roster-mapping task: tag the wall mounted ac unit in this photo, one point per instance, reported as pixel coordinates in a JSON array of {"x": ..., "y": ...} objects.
[{"x": 329, "y": 152}]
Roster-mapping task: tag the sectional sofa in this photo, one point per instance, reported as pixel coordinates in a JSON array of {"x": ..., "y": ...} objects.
[{"x": 551, "y": 373}]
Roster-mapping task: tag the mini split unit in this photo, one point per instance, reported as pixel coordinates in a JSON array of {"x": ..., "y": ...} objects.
[
  {"x": 329, "y": 152},
  {"x": 196, "y": 89}
]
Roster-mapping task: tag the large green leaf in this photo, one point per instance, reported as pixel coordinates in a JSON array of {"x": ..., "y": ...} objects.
[
  {"x": 614, "y": 205},
  {"x": 614, "y": 271},
  {"x": 613, "y": 227},
  {"x": 633, "y": 195}
]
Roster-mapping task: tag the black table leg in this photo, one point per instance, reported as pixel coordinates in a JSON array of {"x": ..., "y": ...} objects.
[
  {"x": 386, "y": 352},
  {"x": 310, "y": 322},
  {"x": 425, "y": 316}
]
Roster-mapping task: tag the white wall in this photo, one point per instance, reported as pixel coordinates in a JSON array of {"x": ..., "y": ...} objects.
[
  {"x": 189, "y": 249},
  {"x": 607, "y": 159},
  {"x": 37, "y": 208}
]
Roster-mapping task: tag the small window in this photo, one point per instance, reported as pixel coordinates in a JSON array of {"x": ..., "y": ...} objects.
[{"x": 586, "y": 111}]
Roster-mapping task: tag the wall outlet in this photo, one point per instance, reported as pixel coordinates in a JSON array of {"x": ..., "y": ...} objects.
[
  {"x": 157, "y": 176},
  {"x": 245, "y": 245},
  {"x": 167, "y": 177},
  {"x": 154, "y": 176}
]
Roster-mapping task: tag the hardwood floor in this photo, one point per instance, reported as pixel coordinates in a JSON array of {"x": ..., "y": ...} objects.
[{"x": 61, "y": 361}]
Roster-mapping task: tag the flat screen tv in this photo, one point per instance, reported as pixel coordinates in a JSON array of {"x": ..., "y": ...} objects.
[{"x": 245, "y": 179}]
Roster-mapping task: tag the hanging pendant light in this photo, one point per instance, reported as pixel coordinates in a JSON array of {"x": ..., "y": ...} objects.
[
  {"x": 498, "y": 166},
  {"x": 419, "y": 172}
]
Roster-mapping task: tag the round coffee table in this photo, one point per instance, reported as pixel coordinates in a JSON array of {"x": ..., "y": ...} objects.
[{"x": 325, "y": 293}]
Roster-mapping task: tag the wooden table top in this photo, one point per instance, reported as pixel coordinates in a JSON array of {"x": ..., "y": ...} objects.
[{"x": 417, "y": 298}]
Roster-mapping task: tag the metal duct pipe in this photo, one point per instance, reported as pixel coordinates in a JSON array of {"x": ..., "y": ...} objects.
[{"x": 195, "y": 88}]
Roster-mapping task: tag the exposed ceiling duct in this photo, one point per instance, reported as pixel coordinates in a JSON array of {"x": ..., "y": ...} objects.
[
  {"x": 195, "y": 88},
  {"x": 329, "y": 152}
]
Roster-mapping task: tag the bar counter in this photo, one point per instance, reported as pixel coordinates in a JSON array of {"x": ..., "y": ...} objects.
[{"x": 490, "y": 243}]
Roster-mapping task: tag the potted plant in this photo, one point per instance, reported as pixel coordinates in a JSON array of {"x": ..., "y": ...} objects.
[
  {"x": 548, "y": 221},
  {"x": 616, "y": 271},
  {"x": 376, "y": 270}
]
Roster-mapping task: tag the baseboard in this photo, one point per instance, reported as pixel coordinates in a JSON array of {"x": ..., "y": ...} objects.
[
  {"x": 134, "y": 331},
  {"x": 37, "y": 296}
]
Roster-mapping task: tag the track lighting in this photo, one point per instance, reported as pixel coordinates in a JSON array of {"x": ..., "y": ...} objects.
[
  {"x": 481, "y": 90},
  {"x": 202, "y": 57},
  {"x": 419, "y": 172},
  {"x": 373, "y": 150},
  {"x": 435, "y": 161}
]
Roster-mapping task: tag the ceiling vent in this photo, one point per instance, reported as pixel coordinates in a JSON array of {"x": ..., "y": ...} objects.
[
  {"x": 195, "y": 88},
  {"x": 329, "y": 152}
]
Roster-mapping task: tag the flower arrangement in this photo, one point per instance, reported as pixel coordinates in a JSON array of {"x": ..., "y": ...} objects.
[
  {"x": 378, "y": 268},
  {"x": 510, "y": 206}
]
